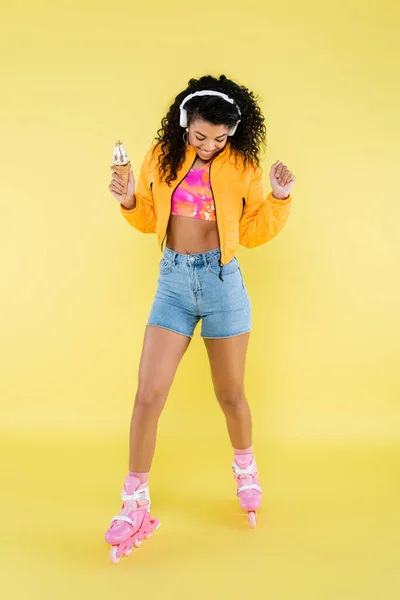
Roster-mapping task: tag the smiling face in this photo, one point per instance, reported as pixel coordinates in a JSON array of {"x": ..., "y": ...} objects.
[{"x": 207, "y": 139}]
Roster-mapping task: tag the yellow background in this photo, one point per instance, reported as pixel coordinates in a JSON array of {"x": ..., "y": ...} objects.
[{"x": 77, "y": 284}]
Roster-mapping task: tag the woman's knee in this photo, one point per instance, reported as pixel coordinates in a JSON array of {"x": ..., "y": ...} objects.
[
  {"x": 149, "y": 401},
  {"x": 232, "y": 400}
]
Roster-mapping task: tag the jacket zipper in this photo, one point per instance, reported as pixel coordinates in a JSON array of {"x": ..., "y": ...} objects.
[
  {"x": 170, "y": 208},
  {"x": 216, "y": 220}
]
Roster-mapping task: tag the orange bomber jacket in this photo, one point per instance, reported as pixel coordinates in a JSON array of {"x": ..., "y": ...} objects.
[{"x": 244, "y": 215}]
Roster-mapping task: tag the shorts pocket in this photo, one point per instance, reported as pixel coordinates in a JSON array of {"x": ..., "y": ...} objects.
[
  {"x": 166, "y": 266},
  {"x": 228, "y": 269}
]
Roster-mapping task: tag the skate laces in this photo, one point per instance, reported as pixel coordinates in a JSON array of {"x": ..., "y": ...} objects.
[{"x": 246, "y": 476}]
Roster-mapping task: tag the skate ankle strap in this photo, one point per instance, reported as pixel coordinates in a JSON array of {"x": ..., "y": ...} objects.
[
  {"x": 248, "y": 471},
  {"x": 137, "y": 495}
]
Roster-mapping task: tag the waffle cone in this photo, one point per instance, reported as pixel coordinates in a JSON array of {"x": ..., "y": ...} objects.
[{"x": 123, "y": 172}]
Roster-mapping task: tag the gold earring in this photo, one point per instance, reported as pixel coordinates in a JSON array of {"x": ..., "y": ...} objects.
[{"x": 186, "y": 140}]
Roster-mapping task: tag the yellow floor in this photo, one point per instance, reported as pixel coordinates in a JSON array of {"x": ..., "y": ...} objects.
[{"x": 328, "y": 530}]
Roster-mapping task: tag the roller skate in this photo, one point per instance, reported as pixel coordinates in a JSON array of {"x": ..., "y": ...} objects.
[
  {"x": 133, "y": 524},
  {"x": 248, "y": 487}
]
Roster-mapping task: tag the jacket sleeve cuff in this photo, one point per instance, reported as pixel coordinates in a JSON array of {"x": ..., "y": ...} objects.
[
  {"x": 129, "y": 211},
  {"x": 278, "y": 201}
]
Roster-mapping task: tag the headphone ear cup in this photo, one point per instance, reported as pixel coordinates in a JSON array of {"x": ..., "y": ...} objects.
[
  {"x": 183, "y": 118},
  {"x": 232, "y": 130}
]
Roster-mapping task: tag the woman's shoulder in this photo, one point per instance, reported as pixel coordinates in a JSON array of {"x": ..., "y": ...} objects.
[
  {"x": 153, "y": 152},
  {"x": 237, "y": 161},
  {"x": 150, "y": 159}
]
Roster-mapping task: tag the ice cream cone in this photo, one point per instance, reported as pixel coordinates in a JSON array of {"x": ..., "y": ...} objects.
[{"x": 122, "y": 162}]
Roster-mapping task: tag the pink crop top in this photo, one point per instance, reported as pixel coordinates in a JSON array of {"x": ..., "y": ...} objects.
[{"x": 193, "y": 197}]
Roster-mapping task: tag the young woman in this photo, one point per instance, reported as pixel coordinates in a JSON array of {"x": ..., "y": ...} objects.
[{"x": 200, "y": 191}]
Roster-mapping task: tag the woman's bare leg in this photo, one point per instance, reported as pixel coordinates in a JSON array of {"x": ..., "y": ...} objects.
[
  {"x": 227, "y": 361},
  {"x": 162, "y": 352}
]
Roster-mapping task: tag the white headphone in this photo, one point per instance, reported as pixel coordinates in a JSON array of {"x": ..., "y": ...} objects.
[{"x": 183, "y": 116}]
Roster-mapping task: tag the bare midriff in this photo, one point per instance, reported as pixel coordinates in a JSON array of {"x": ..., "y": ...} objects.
[{"x": 191, "y": 236}]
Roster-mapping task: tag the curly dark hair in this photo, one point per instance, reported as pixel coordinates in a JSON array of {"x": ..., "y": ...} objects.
[{"x": 250, "y": 135}]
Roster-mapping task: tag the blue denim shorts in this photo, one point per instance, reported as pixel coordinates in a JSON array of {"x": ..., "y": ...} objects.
[{"x": 189, "y": 289}]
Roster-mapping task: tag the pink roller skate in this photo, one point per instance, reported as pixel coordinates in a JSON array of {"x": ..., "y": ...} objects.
[
  {"x": 133, "y": 523},
  {"x": 248, "y": 487}
]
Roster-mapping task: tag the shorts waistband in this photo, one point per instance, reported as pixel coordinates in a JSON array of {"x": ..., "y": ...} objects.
[{"x": 202, "y": 257}]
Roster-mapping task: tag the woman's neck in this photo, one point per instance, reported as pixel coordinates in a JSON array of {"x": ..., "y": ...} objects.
[{"x": 199, "y": 163}]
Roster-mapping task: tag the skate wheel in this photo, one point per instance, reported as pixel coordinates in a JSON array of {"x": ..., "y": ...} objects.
[
  {"x": 128, "y": 551},
  {"x": 137, "y": 543},
  {"x": 114, "y": 555},
  {"x": 252, "y": 518},
  {"x": 148, "y": 535}
]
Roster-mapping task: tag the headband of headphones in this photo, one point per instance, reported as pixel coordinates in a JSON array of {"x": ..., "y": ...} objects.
[{"x": 183, "y": 113}]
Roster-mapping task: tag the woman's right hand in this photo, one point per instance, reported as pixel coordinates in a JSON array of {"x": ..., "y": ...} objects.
[{"x": 116, "y": 187}]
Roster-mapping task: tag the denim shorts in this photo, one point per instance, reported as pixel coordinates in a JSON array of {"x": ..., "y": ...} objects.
[{"x": 189, "y": 289}]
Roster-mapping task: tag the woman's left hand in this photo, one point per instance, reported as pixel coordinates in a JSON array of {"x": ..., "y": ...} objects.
[{"x": 282, "y": 180}]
